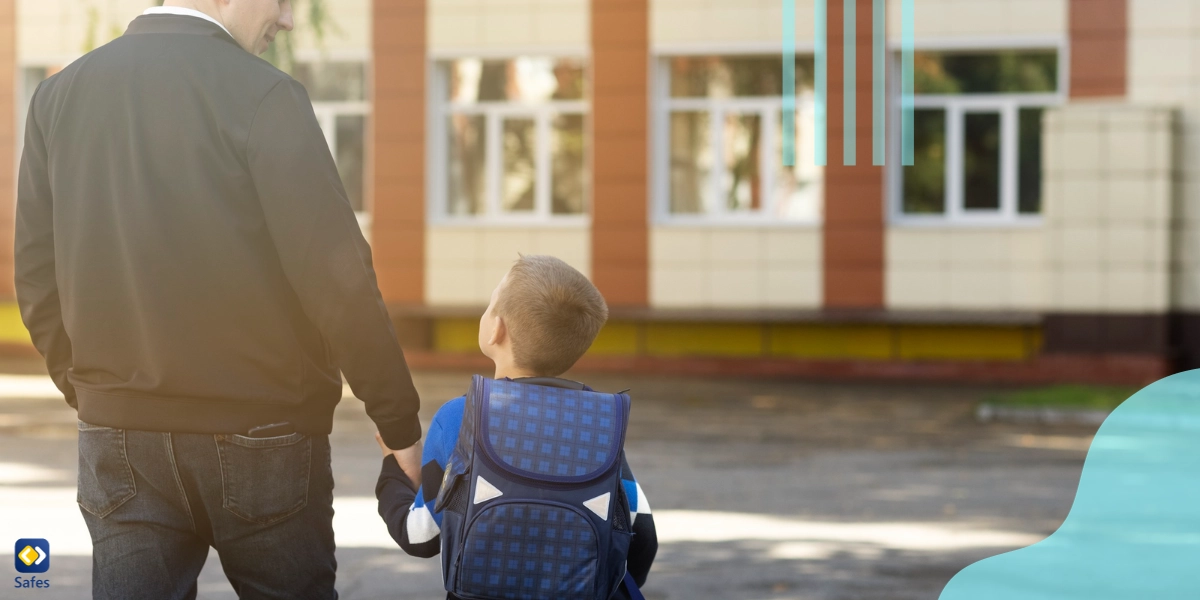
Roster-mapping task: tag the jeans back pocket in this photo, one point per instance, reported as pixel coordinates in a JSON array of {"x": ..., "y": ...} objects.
[
  {"x": 264, "y": 480},
  {"x": 105, "y": 477}
]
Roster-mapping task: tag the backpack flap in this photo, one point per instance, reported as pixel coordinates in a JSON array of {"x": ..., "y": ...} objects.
[{"x": 552, "y": 434}]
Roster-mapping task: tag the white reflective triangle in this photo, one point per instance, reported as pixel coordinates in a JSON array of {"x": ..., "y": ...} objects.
[
  {"x": 485, "y": 491},
  {"x": 599, "y": 505}
]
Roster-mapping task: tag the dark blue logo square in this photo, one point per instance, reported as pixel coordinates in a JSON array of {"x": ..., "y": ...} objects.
[{"x": 32, "y": 555}]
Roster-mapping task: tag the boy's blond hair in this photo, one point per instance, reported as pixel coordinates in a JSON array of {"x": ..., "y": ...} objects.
[{"x": 552, "y": 313}]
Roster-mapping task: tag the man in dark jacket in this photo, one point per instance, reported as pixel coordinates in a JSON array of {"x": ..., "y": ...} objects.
[{"x": 190, "y": 268}]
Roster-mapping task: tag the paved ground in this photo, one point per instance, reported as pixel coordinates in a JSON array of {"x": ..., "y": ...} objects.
[{"x": 762, "y": 489}]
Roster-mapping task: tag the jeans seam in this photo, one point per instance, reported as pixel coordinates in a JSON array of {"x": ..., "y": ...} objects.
[
  {"x": 187, "y": 505},
  {"x": 132, "y": 482}
]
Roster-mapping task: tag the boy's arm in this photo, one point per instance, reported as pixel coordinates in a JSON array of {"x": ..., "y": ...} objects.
[
  {"x": 644, "y": 545},
  {"x": 406, "y": 508}
]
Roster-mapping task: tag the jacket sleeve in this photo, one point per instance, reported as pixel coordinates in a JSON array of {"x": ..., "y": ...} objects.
[
  {"x": 35, "y": 280},
  {"x": 644, "y": 545},
  {"x": 408, "y": 510},
  {"x": 327, "y": 260}
]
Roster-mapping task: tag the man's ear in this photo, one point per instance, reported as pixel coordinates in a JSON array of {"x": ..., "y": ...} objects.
[{"x": 499, "y": 332}]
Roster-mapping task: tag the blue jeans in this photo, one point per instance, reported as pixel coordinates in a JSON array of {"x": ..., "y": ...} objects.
[{"x": 155, "y": 502}]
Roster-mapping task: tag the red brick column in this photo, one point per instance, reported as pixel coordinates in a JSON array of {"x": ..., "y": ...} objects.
[
  {"x": 8, "y": 143},
  {"x": 396, "y": 149},
  {"x": 619, "y": 133},
  {"x": 1099, "y": 32},
  {"x": 854, "y": 196}
]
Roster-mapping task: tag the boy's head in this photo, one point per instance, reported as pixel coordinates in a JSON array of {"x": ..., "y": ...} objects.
[{"x": 542, "y": 317}]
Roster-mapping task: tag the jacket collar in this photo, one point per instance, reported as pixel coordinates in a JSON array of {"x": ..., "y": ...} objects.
[{"x": 180, "y": 24}]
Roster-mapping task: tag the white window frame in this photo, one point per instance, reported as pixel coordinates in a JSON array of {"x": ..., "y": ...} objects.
[
  {"x": 541, "y": 113},
  {"x": 328, "y": 112},
  {"x": 956, "y": 107},
  {"x": 769, "y": 108}
]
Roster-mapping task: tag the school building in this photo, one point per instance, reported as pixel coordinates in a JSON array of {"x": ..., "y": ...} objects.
[{"x": 1049, "y": 229}]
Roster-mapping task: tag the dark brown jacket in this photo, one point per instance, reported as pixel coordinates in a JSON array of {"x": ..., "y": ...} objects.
[{"x": 186, "y": 258}]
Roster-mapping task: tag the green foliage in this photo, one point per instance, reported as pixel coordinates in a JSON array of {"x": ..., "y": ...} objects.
[{"x": 1082, "y": 397}]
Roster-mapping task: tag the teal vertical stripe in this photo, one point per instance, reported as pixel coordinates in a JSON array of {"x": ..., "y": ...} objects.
[
  {"x": 907, "y": 104},
  {"x": 820, "y": 81},
  {"x": 789, "y": 83},
  {"x": 879, "y": 82},
  {"x": 849, "y": 72}
]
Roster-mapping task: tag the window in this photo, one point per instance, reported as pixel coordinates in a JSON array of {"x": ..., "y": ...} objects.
[
  {"x": 977, "y": 136},
  {"x": 720, "y": 141},
  {"x": 338, "y": 91},
  {"x": 510, "y": 139}
]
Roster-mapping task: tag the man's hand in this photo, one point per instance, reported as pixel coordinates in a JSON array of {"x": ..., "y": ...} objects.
[{"x": 409, "y": 459}]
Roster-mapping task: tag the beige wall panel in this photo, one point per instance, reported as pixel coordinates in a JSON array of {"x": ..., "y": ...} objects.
[
  {"x": 947, "y": 19},
  {"x": 502, "y": 26},
  {"x": 464, "y": 263},
  {"x": 1110, "y": 173},
  {"x": 965, "y": 268},
  {"x": 683, "y": 23},
  {"x": 735, "y": 267}
]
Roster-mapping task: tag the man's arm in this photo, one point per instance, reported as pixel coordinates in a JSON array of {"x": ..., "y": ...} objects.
[
  {"x": 327, "y": 260},
  {"x": 36, "y": 285},
  {"x": 407, "y": 508}
]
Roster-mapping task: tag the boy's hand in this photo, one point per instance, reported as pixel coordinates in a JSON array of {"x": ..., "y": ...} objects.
[{"x": 409, "y": 459}]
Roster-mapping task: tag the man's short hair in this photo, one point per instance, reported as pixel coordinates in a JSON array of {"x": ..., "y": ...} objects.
[{"x": 552, "y": 312}]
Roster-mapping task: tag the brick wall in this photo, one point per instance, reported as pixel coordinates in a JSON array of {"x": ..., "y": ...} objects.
[
  {"x": 396, "y": 155},
  {"x": 619, "y": 162}
]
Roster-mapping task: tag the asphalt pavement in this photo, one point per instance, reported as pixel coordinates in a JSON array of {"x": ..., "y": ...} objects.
[{"x": 761, "y": 489}]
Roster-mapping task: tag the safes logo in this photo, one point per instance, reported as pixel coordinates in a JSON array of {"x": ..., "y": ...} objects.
[{"x": 31, "y": 555}]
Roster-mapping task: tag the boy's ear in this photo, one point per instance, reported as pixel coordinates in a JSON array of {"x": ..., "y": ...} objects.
[{"x": 499, "y": 332}]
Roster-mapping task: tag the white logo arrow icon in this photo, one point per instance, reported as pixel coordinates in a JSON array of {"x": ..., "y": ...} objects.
[{"x": 28, "y": 553}]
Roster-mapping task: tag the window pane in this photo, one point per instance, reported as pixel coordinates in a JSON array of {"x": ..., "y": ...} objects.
[
  {"x": 1014, "y": 71},
  {"x": 981, "y": 161},
  {"x": 1030, "y": 152},
  {"x": 733, "y": 76},
  {"x": 525, "y": 79},
  {"x": 518, "y": 183},
  {"x": 333, "y": 81},
  {"x": 742, "y": 185},
  {"x": 567, "y": 181},
  {"x": 691, "y": 162},
  {"x": 350, "y": 150},
  {"x": 466, "y": 167},
  {"x": 798, "y": 187},
  {"x": 925, "y": 180}
]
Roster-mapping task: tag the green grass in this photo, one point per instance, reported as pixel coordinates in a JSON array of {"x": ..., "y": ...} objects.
[{"x": 1080, "y": 397}]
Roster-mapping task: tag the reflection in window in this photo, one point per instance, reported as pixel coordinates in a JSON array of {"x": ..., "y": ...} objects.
[
  {"x": 981, "y": 161},
  {"x": 525, "y": 79},
  {"x": 723, "y": 114},
  {"x": 518, "y": 174},
  {"x": 533, "y": 162},
  {"x": 742, "y": 153},
  {"x": 978, "y": 134},
  {"x": 467, "y": 164},
  {"x": 567, "y": 184},
  {"x": 691, "y": 162},
  {"x": 734, "y": 76},
  {"x": 1030, "y": 188},
  {"x": 339, "y": 96},
  {"x": 1007, "y": 72},
  {"x": 925, "y": 180}
]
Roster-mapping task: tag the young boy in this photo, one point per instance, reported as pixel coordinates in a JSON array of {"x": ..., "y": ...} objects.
[{"x": 542, "y": 317}]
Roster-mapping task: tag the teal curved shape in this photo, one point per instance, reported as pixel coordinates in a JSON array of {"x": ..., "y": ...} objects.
[{"x": 1134, "y": 528}]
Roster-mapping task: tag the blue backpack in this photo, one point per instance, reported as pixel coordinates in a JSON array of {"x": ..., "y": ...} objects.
[{"x": 531, "y": 499}]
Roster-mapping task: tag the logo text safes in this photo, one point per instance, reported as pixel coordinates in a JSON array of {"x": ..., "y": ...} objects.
[{"x": 31, "y": 555}]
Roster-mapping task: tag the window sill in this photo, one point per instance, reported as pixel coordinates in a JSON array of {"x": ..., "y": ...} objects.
[
  {"x": 1031, "y": 222},
  {"x": 564, "y": 222}
]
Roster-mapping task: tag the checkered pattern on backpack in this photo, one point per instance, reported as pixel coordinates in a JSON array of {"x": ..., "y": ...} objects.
[
  {"x": 529, "y": 551},
  {"x": 561, "y": 434}
]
